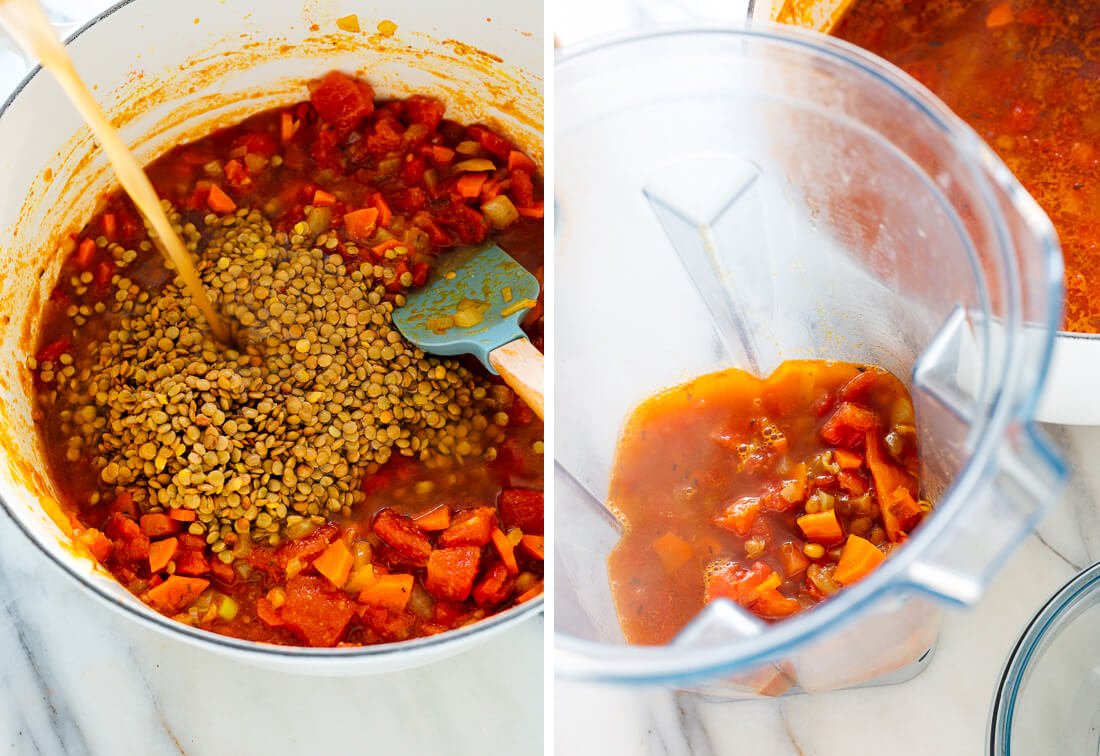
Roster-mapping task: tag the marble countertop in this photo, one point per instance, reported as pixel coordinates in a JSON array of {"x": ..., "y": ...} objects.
[{"x": 944, "y": 710}]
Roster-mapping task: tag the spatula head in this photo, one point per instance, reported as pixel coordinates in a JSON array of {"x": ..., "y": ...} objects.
[{"x": 482, "y": 284}]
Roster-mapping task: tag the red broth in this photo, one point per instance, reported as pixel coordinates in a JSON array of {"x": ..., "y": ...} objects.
[
  {"x": 1026, "y": 75},
  {"x": 774, "y": 493}
]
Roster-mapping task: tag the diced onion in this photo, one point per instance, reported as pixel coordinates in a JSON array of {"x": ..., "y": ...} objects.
[
  {"x": 319, "y": 219},
  {"x": 500, "y": 211},
  {"x": 474, "y": 165}
]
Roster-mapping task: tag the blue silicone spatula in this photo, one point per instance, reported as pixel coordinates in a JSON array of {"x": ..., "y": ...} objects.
[{"x": 473, "y": 304}]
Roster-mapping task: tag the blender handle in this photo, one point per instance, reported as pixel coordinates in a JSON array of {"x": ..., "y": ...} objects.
[{"x": 1004, "y": 507}]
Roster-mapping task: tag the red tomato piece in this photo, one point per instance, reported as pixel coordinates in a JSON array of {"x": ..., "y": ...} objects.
[
  {"x": 256, "y": 142},
  {"x": 451, "y": 572},
  {"x": 494, "y": 587},
  {"x": 523, "y": 189},
  {"x": 494, "y": 143},
  {"x": 315, "y": 611},
  {"x": 426, "y": 111},
  {"x": 739, "y": 515},
  {"x": 191, "y": 562},
  {"x": 308, "y": 546},
  {"x": 734, "y": 581},
  {"x": 522, "y": 508},
  {"x": 848, "y": 425},
  {"x": 401, "y": 534},
  {"x": 342, "y": 101},
  {"x": 473, "y": 527}
]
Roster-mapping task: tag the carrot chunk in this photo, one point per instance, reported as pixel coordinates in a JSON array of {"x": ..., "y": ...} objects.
[
  {"x": 773, "y": 605},
  {"x": 1001, "y": 15},
  {"x": 287, "y": 126},
  {"x": 321, "y": 198},
  {"x": 183, "y": 515},
  {"x": 858, "y": 558},
  {"x": 378, "y": 202},
  {"x": 360, "y": 224},
  {"x": 530, "y": 593},
  {"x": 437, "y": 519},
  {"x": 176, "y": 592},
  {"x": 821, "y": 527},
  {"x": 391, "y": 592},
  {"x": 534, "y": 545},
  {"x": 506, "y": 550},
  {"x": 156, "y": 525},
  {"x": 470, "y": 184},
  {"x": 85, "y": 252},
  {"x": 518, "y": 161},
  {"x": 847, "y": 460},
  {"x": 888, "y": 478},
  {"x": 335, "y": 563},
  {"x": 161, "y": 553},
  {"x": 220, "y": 202},
  {"x": 673, "y": 551},
  {"x": 442, "y": 155}
]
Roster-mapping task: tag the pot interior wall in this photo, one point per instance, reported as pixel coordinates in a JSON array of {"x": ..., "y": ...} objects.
[{"x": 168, "y": 73}]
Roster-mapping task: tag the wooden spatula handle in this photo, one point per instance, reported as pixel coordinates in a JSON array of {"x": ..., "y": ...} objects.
[{"x": 520, "y": 365}]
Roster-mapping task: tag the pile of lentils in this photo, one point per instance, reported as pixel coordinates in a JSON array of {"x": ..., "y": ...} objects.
[{"x": 319, "y": 389}]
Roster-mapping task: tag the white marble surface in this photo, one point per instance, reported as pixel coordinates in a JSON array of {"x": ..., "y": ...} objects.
[
  {"x": 945, "y": 710},
  {"x": 77, "y": 679}
]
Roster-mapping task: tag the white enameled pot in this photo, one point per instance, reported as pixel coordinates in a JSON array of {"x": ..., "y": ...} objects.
[{"x": 170, "y": 72}]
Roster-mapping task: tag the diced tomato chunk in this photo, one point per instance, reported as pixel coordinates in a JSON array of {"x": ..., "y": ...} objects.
[
  {"x": 735, "y": 581},
  {"x": 342, "y": 101},
  {"x": 494, "y": 587},
  {"x": 403, "y": 535},
  {"x": 191, "y": 562},
  {"x": 739, "y": 515},
  {"x": 451, "y": 572},
  {"x": 499, "y": 146},
  {"x": 848, "y": 425},
  {"x": 473, "y": 527},
  {"x": 315, "y": 611},
  {"x": 257, "y": 143},
  {"x": 522, "y": 508},
  {"x": 426, "y": 111},
  {"x": 523, "y": 189},
  {"x": 308, "y": 546}
]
